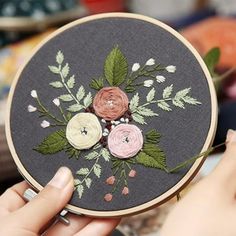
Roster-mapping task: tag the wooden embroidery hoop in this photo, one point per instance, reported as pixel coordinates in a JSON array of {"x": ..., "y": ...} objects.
[{"x": 176, "y": 188}]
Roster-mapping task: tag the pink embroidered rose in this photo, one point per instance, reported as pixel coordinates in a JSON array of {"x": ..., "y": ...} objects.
[
  {"x": 108, "y": 197},
  {"x": 132, "y": 173},
  {"x": 110, "y": 103},
  {"x": 125, "y": 191},
  {"x": 125, "y": 141},
  {"x": 110, "y": 180}
]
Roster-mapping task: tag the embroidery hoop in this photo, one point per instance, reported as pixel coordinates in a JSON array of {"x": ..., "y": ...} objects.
[{"x": 172, "y": 191}]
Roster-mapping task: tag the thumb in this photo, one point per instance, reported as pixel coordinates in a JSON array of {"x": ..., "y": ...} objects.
[
  {"x": 226, "y": 169},
  {"x": 38, "y": 212}
]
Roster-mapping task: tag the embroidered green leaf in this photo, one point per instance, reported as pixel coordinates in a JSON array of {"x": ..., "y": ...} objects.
[
  {"x": 134, "y": 102},
  {"x": 53, "y": 143},
  {"x": 82, "y": 171},
  {"x": 68, "y": 115},
  {"x": 138, "y": 118},
  {"x": 77, "y": 181},
  {"x": 164, "y": 106},
  {"x": 167, "y": 91},
  {"x": 81, "y": 93},
  {"x": 97, "y": 170},
  {"x": 146, "y": 160},
  {"x": 105, "y": 154},
  {"x": 116, "y": 67},
  {"x": 54, "y": 69},
  {"x": 182, "y": 93},
  {"x": 72, "y": 152},
  {"x": 212, "y": 59},
  {"x": 88, "y": 182},
  {"x": 66, "y": 98},
  {"x": 98, "y": 145},
  {"x": 153, "y": 136},
  {"x": 88, "y": 100},
  {"x": 65, "y": 70},
  {"x": 190, "y": 100},
  {"x": 130, "y": 89},
  {"x": 75, "y": 107},
  {"x": 145, "y": 112},
  {"x": 91, "y": 155},
  {"x": 59, "y": 57},
  {"x": 71, "y": 82},
  {"x": 56, "y": 84},
  {"x": 178, "y": 103},
  {"x": 80, "y": 190},
  {"x": 97, "y": 84},
  {"x": 151, "y": 95}
]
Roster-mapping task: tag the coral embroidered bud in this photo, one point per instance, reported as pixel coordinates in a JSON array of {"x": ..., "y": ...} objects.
[
  {"x": 148, "y": 83},
  {"x": 160, "y": 79},
  {"x": 34, "y": 94},
  {"x": 56, "y": 101},
  {"x": 132, "y": 173},
  {"x": 108, "y": 197},
  {"x": 125, "y": 191},
  {"x": 31, "y": 108},
  {"x": 44, "y": 124},
  {"x": 171, "y": 69},
  {"x": 110, "y": 180},
  {"x": 150, "y": 62},
  {"x": 135, "y": 67}
]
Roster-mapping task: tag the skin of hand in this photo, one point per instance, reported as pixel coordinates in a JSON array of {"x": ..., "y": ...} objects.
[
  {"x": 209, "y": 209},
  {"x": 18, "y": 218}
]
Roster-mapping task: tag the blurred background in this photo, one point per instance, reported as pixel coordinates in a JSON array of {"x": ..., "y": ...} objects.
[{"x": 210, "y": 25}]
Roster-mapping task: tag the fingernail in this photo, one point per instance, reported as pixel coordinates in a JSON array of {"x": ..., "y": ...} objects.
[
  {"x": 231, "y": 136},
  {"x": 61, "y": 178}
]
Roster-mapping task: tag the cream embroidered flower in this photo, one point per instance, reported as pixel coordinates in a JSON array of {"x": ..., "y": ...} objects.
[
  {"x": 83, "y": 131},
  {"x": 160, "y": 78},
  {"x": 171, "y": 69},
  {"x": 34, "y": 94},
  {"x": 56, "y": 101},
  {"x": 44, "y": 124},
  {"x": 148, "y": 83},
  {"x": 110, "y": 103},
  {"x": 31, "y": 108},
  {"x": 150, "y": 62},
  {"x": 125, "y": 141},
  {"x": 135, "y": 67}
]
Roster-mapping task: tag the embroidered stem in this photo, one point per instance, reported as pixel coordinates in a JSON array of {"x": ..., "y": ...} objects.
[
  {"x": 156, "y": 101},
  {"x": 66, "y": 120},
  {"x": 193, "y": 159},
  {"x": 44, "y": 111}
]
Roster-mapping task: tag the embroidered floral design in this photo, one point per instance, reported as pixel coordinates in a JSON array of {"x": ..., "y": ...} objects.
[
  {"x": 104, "y": 128},
  {"x": 110, "y": 103},
  {"x": 83, "y": 131},
  {"x": 125, "y": 141}
]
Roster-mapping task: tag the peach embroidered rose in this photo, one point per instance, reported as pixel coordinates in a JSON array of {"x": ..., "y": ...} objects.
[
  {"x": 83, "y": 131},
  {"x": 110, "y": 103},
  {"x": 125, "y": 141}
]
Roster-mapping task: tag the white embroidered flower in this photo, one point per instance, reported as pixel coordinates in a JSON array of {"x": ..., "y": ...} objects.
[
  {"x": 150, "y": 62},
  {"x": 56, "y": 101},
  {"x": 148, "y": 83},
  {"x": 160, "y": 79},
  {"x": 103, "y": 121},
  {"x": 31, "y": 108},
  {"x": 44, "y": 124},
  {"x": 34, "y": 94},
  {"x": 135, "y": 67},
  {"x": 122, "y": 119},
  {"x": 83, "y": 131},
  {"x": 171, "y": 69}
]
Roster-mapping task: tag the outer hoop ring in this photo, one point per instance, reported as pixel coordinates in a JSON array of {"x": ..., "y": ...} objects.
[{"x": 176, "y": 188}]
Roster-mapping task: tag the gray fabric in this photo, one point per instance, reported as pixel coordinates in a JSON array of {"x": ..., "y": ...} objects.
[{"x": 85, "y": 48}]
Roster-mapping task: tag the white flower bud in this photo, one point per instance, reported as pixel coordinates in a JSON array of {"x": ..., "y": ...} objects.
[
  {"x": 103, "y": 120},
  {"x": 106, "y": 130},
  {"x": 104, "y": 134},
  {"x": 160, "y": 79},
  {"x": 56, "y": 101},
  {"x": 148, "y": 83},
  {"x": 34, "y": 94},
  {"x": 150, "y": 62},
  {"x": 127, "y": 120},
  {"x": 45, "y": 124},
  {"x": 171, "y": 69},
  {"x": 122, "y": 119},
  {"x": 135, "y": 67},
  {"x": 31, "y": 108}
]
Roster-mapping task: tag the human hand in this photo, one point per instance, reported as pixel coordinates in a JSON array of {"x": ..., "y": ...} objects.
[
  {"x": 209, "y": 209},
  {"x": 18, "y": 218}
]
